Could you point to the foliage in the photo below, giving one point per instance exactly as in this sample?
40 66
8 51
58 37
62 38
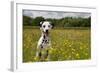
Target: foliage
67 44
37 20
63 22
27 21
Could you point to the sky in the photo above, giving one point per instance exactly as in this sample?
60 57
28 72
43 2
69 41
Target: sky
54 14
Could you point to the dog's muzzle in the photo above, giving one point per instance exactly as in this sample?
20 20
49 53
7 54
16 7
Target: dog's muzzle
46 32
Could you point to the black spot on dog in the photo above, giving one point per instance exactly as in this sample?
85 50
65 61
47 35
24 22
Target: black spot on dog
42 41
40 54
44 36
41 46
45 41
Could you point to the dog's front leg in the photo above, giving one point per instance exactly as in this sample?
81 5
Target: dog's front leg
38 53
47 56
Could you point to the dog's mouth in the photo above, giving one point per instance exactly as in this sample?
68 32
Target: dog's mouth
46 32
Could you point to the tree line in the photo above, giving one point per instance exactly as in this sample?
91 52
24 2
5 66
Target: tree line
63 22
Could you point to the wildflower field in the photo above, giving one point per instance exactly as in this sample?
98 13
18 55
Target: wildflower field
67 44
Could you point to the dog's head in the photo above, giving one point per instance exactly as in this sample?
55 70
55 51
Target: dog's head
45 26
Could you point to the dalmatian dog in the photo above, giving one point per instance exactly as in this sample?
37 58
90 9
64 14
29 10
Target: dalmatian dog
44 43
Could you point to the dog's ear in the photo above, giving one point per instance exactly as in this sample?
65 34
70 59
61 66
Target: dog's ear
52 25
40 24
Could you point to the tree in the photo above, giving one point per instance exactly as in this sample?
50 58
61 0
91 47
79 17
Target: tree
62 22
27 21
36 21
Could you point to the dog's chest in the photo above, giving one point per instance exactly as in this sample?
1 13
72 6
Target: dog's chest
45 42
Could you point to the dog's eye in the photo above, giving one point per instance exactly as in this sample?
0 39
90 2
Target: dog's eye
48 25
43 26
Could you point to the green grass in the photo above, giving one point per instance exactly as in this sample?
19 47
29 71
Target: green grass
67 44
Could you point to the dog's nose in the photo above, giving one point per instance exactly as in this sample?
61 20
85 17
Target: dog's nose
46 30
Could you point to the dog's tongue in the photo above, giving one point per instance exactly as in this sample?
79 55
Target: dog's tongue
46 33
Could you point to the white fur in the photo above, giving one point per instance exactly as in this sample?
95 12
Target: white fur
41 43
46 24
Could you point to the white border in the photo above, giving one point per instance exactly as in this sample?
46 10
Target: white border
17 38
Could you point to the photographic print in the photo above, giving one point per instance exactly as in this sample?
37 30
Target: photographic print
56 36
52 36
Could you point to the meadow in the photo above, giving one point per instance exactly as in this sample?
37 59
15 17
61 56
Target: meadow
67 44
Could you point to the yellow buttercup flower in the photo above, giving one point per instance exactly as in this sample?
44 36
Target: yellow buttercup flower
35 58
77 54
73 49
